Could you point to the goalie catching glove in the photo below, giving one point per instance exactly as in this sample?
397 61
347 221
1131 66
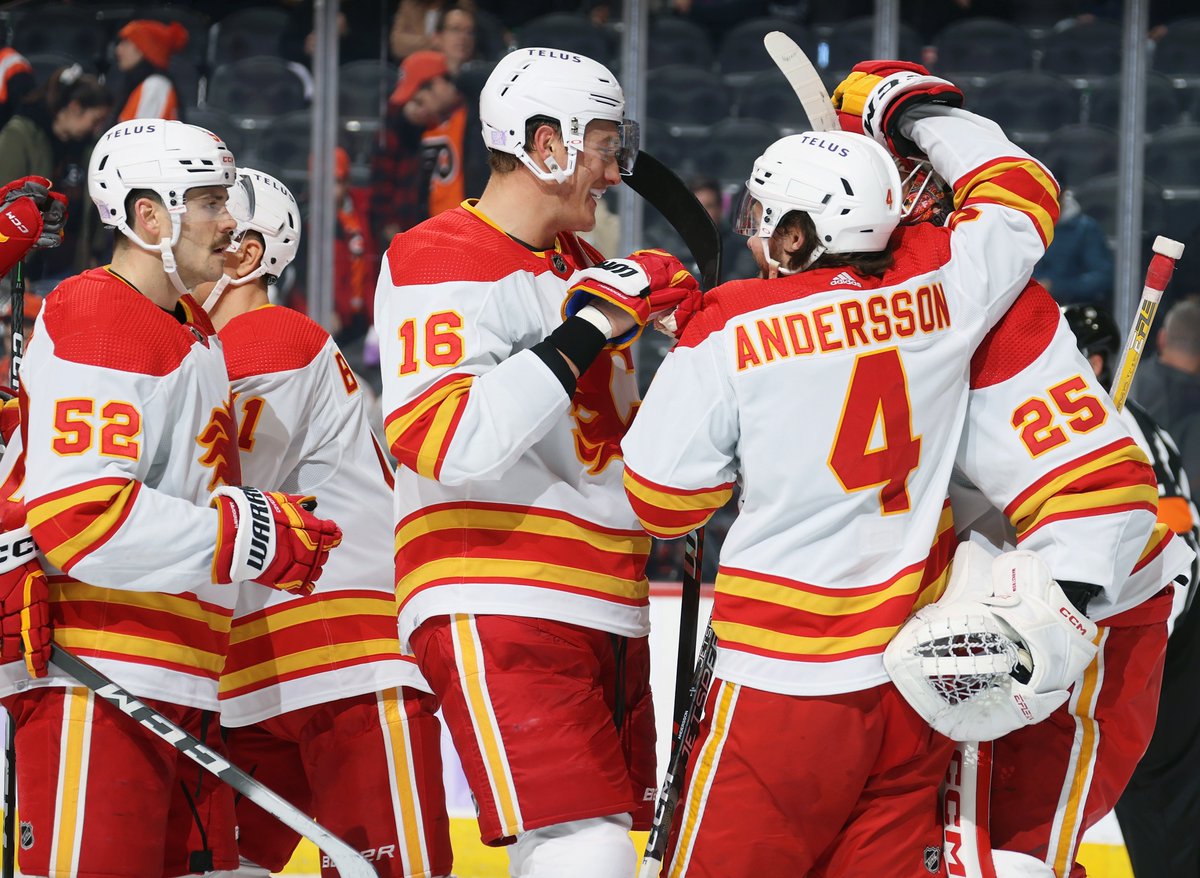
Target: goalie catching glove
996 652
649 285
271 538
875 96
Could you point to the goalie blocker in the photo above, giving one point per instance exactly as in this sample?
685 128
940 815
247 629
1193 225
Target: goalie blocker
999 650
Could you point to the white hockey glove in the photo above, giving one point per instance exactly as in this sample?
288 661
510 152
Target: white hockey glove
996 652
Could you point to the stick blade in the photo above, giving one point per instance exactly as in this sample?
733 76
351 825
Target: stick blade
671 197
804 80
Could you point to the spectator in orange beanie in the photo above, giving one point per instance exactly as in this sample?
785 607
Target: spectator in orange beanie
143 53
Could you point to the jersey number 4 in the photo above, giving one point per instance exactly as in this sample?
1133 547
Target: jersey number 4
875 446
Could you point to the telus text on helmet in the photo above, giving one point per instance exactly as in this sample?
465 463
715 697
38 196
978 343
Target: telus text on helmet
130 129
552 53
821 143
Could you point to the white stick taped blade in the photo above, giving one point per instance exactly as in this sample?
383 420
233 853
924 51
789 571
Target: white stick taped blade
802 76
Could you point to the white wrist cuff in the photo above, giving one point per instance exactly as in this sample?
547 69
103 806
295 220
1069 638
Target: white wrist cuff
595 316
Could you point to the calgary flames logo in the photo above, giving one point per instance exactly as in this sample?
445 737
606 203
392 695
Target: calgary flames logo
599 425
220 450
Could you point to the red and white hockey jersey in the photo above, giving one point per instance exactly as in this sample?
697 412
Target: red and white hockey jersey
837 401
126 430
1045 445
508 495
303 429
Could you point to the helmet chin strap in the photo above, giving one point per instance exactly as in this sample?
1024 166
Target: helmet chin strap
226 281
170 267
774 266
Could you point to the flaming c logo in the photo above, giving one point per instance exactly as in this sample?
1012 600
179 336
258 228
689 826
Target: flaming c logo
599 424
220 448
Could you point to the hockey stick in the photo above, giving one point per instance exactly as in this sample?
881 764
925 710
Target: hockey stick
8 865
804 80
665 192
1158 275
348 862
681 749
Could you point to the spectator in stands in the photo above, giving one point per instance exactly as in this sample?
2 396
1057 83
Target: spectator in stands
454 36
355 256
144 51
413 26
51 135
736 264
16 82
1078 267
431 159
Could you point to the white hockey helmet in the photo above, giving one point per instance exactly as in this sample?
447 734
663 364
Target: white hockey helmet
262 204
846 182
165 157
571 89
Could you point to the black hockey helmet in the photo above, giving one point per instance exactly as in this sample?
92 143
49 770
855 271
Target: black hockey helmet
1095 333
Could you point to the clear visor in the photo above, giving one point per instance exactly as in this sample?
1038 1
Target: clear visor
622 147
241 208
749 216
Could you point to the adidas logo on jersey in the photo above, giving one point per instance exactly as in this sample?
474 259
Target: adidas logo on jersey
846 279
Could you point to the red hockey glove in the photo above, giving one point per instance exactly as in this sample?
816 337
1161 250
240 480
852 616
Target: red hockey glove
874 97
646 284
52 206
24 603
271 538
673 323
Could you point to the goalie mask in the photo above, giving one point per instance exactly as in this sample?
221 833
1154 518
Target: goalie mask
927 197
260 203
165 157
847 183
571 89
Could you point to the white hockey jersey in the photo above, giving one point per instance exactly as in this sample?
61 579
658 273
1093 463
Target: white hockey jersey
1045 445
303 429
508 495
126 430
837 400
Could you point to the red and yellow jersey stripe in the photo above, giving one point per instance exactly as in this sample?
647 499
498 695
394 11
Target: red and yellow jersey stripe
672 512
782 618
1019 183
420 431
309 636
1113 479
464 542
72 523
177 632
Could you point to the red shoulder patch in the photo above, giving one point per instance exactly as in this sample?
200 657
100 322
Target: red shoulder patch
1018 339
98 319
272 339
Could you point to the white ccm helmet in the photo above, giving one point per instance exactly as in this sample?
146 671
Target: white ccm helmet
571 89
846 182
262 204
166 157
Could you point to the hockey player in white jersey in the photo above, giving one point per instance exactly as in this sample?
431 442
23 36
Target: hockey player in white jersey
130 484
519 563
835 390
317 700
